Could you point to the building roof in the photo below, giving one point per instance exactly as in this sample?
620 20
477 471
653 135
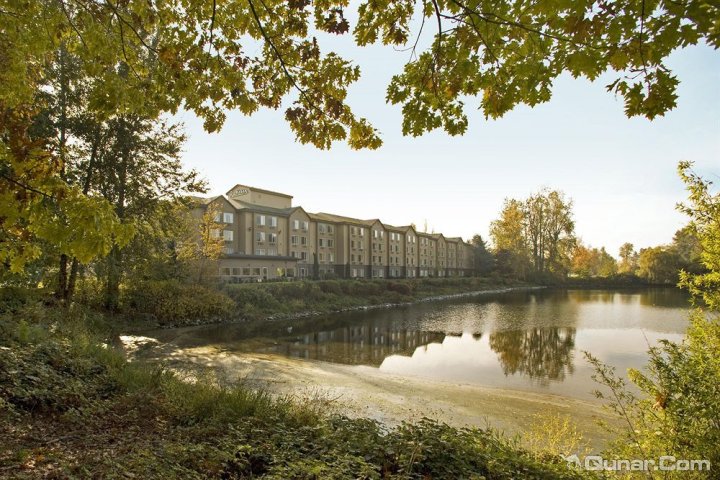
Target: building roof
329 217
260 190
203 200
253 207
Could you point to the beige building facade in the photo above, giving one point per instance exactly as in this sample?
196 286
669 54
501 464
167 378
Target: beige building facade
265 237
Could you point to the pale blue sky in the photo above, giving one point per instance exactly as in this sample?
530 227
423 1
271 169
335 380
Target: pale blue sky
620 172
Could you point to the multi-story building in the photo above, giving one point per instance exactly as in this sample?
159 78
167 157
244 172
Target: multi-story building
265 237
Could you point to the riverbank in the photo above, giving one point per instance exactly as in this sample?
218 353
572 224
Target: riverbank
73 406
360 391
166 305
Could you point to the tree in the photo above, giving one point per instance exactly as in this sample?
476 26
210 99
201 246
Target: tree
704 212
203 246
246 55
484 262
678 410
628 259
686 246
535 234
549 229
509 242
585 261
659 265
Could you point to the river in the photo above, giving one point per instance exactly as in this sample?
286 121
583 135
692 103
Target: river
492 359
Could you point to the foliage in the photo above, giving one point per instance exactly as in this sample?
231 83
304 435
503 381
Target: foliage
678 409
484 262
509 241
64 390
659 265
553 435
171 302
534 236
704 211
133 59
203 252
593 262
628 258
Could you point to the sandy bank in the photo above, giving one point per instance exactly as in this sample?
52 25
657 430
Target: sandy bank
368 392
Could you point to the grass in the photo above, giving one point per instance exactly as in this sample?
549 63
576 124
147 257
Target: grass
71 406
171 303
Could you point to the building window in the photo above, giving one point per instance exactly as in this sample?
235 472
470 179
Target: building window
321 242
362 232
305 225
228 235
303 255
215 233
260 220
272 221
260 236
296 224
303 240
259 251
272 251
330 242
321 227
272 238
320 257
330 229
228 217
294 240
331 257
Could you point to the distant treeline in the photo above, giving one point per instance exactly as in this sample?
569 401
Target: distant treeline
534 239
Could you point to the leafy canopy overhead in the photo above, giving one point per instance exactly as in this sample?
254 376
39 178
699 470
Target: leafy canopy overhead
145 58
210 57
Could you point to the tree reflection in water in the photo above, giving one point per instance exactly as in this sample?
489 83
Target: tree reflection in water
543 354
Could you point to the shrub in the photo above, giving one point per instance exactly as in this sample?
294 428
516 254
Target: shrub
331 286
13 298
401 288
171 302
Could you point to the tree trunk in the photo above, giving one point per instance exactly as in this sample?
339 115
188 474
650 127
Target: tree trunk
112 286
61 292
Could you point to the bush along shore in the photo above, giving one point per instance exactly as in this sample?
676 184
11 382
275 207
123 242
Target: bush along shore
172 304
71 406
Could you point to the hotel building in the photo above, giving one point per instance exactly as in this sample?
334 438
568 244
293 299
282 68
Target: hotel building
265 237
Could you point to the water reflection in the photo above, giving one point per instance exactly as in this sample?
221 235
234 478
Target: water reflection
364 344
540 353
526 340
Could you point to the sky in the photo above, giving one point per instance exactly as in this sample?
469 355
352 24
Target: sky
619 172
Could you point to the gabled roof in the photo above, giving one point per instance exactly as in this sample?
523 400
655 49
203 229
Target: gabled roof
374 221
329 217
407 227
203 200
260 208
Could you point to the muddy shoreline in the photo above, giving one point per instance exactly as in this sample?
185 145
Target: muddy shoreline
364 391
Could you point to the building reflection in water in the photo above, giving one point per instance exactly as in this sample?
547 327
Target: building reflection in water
543 354
356 345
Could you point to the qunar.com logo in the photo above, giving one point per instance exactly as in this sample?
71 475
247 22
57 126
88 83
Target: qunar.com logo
666 463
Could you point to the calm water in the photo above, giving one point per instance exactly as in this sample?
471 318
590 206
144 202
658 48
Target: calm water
529 341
